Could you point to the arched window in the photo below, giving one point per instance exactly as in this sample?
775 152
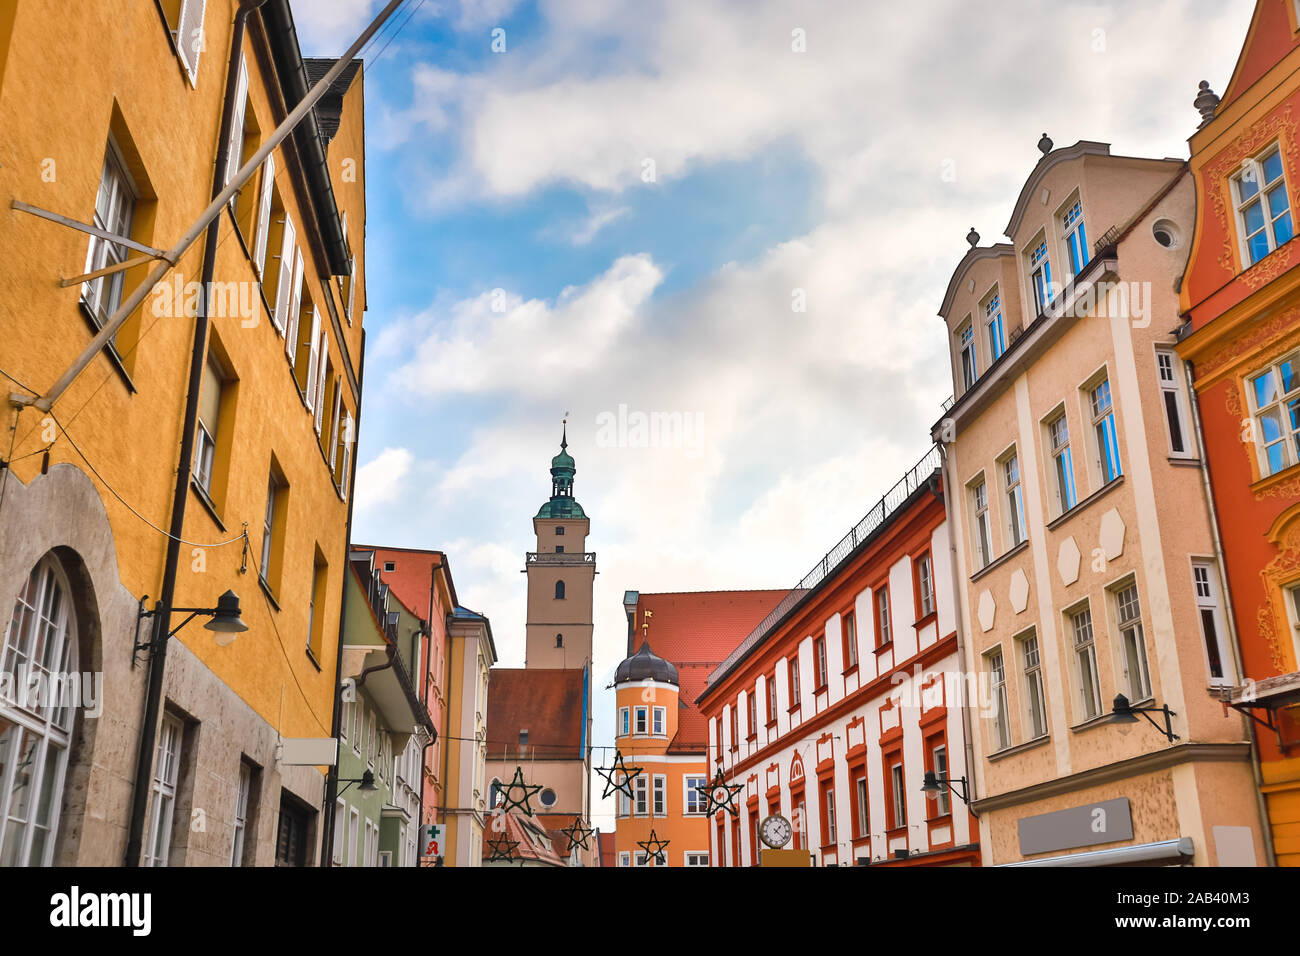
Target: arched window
494 794
36 715
559 640
559 590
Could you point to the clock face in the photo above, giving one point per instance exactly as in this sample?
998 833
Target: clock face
775 831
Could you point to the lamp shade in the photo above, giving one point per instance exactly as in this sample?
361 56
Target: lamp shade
1122 711
226 622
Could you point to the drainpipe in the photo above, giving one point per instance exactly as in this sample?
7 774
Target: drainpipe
336 722
967 743
1270 855
180 494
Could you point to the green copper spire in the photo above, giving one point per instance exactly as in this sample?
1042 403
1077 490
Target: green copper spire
563 468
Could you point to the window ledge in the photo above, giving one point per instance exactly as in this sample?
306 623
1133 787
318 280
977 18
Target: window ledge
819 689
1090 723
1019 748
1080 505
266 589
109 350
1001 559
940 819
312 657
881 648
1277 478
925 619
851 670
1183 461
791 710
207 503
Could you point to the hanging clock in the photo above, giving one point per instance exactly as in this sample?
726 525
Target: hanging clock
775 831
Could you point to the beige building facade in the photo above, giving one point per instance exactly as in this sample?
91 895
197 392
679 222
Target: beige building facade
1087 570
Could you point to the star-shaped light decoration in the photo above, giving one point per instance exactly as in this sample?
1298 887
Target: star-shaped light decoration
659 845
518 783
611 774
578 833
503 849
720 796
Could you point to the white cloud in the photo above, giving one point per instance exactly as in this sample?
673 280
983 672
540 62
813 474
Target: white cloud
381 480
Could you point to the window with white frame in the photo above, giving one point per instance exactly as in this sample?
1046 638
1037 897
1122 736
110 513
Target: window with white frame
624 721
115 204
998 690
1106 440
925 585
994 326
1040 276
358 716
1175 405
1015 498
1128 613
659 716
849 625
864 820
1292 596
268 528
262 229
35 729
771 697
829 799
167 766
187 33
660 795
288 288
624 801
642 858
966 347
1214 631
693 799
205 439
1275 404
898 795
697 858
245 785
625 858
642 720
355 857
939 763
1032 672
1085 662
338 850
819 658
372 741
884 627
235 148
1263 205
980 515
640 796
1062 466
1075 237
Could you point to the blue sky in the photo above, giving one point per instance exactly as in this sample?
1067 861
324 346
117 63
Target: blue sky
522 262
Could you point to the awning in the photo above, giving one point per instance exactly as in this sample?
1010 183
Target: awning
1165 853
1278 698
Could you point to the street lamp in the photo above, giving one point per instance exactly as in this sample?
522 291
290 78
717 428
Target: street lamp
225 623
1124 713
367 781
931 784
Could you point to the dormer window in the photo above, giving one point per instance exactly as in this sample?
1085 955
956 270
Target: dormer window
1040 276
1263 206
993 323
1075 236
966 343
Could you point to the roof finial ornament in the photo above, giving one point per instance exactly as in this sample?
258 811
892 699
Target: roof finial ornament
564 433
973 237
1045 144
1206 101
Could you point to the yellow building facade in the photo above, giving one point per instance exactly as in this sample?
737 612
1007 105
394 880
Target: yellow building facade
128 117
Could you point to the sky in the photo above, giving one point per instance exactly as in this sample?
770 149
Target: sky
738 217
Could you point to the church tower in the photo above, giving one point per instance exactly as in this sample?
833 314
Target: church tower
561 576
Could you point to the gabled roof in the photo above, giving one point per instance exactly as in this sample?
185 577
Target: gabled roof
412 576
536 844
1270 38
545 702
1065 154
695 631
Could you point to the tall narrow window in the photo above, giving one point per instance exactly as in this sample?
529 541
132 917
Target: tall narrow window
925 586
830 814
35 729
969 367
114 212
288 285
263 229
793 665
559 590
640 799
898 795
819 647
316 608
658 717
1103 423
1035 702
939 763
642 718
771 697
235 148
1275 398
860 793
993 323
998 689
1173 399
1015 499
167 764
1085 657
205 440
243 787
1133 643
734 714
1076 237
1058 433
268 530
1205 578
850 630
983 546
1040 277
884 634
1263 207
187 32
660 795
751 713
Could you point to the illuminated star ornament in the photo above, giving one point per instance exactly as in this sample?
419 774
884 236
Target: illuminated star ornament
503 849
611 775
521 803
720 796
578 833
659 846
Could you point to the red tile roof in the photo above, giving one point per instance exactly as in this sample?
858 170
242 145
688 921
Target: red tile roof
545 702
696 630
412 576
532 838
